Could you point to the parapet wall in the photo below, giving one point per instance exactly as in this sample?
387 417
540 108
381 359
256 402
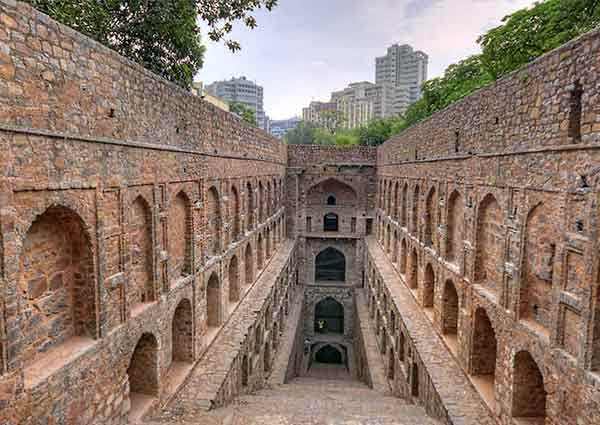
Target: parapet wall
59 80
532 108
489 212
304 155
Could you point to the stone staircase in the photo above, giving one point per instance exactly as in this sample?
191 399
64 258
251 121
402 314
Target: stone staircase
315 401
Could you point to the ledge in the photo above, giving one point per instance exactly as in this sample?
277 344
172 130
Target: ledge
461 400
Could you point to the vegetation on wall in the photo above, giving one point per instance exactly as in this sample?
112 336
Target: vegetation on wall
244 112
522 37
161 35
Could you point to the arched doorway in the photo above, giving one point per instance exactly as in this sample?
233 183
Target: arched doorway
249 206
483 355
430 218
56 283
329 355
330 222
259 253
182 336
429 287
143 376
141 289
249 267
179 235
234 284
450 309
454 227
213 301
490 245
235 212
214 221
529 392
413 281
329 316
330 265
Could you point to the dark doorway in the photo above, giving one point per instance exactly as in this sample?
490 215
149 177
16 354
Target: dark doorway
331 200
329 355
330 222
330 265
329 317
369 229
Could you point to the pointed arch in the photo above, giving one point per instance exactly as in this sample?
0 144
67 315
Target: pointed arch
413 281
429 287
261 202
179 235
330 265
415 211
396 200
449 309
143 374
234 280
249 265
455 226
259 252
215 224
319 194
182 333
484 347
529 392
430 218
56 283
403 257
490 246
213 301
249 207
539 250
404 212
329 316
141 288
235 213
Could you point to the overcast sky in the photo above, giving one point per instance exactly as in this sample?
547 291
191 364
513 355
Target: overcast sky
305 49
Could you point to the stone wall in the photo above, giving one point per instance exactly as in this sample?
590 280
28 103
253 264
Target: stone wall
125 204
489 212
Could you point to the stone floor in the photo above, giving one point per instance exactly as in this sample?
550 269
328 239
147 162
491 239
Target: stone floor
315 401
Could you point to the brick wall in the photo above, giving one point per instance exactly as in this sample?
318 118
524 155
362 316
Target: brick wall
498 194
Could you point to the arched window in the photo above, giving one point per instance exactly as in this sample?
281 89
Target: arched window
329 354
329 316
330 222
331 200
330 265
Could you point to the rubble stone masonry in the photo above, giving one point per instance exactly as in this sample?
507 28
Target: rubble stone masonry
489 212
151 245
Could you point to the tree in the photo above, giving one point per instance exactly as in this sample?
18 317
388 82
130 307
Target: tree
303 134
244 112
529 33
161 35
523 36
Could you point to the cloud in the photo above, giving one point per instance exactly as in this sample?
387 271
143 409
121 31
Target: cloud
305 49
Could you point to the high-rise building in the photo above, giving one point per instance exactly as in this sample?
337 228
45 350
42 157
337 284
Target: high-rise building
243 91
279 128
404 68
320 113
364 101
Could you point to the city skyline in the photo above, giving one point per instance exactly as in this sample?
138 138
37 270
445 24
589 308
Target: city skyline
297 64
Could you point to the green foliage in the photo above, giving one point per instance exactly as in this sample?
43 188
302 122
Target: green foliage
523 36
378 131
529 33
161 35
303 134
243 112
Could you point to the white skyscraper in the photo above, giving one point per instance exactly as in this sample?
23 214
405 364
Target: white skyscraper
404 68
243 91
